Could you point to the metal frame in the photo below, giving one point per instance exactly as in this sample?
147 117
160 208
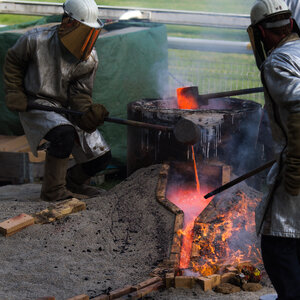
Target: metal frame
178 17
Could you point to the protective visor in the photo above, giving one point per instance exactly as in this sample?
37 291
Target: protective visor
256 44
78 38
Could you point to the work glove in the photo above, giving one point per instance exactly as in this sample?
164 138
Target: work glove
93 117
292 171
16 101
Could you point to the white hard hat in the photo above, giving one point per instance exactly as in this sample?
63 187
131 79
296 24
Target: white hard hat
84 11
263 9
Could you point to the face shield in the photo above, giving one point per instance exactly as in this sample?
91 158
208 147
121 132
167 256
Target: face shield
77 37
257 45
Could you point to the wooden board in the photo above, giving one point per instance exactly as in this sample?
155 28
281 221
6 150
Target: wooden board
16 224
59 210
20 144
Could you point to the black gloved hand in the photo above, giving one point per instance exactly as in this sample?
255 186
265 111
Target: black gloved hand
93 117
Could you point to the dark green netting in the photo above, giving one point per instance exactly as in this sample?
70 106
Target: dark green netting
133 62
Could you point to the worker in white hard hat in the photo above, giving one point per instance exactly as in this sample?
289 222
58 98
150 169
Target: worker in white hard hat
274 36
56 66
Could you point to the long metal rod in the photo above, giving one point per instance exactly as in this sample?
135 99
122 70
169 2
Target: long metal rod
231 93
239 179
62 110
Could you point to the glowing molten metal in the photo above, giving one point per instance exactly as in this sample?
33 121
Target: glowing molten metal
192 203
186 99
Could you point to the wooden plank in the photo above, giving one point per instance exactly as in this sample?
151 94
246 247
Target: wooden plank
205 283
227 277
80 297
20 144
186 282
169 280
215 279
15 224
178 225
216 173
12 145
145 291
226 172
120 292
59 210
6 138
146 283
102 297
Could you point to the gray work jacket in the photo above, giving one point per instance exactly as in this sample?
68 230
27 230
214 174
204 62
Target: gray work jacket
279 212
52 76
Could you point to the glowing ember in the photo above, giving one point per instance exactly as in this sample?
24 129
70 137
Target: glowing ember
186 100
192 204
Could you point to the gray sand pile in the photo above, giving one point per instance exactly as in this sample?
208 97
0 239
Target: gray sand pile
117 241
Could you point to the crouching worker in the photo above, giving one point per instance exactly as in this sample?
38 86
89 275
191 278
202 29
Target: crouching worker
56 66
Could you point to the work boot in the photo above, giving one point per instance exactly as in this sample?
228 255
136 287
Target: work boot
268 297
77 182
54 181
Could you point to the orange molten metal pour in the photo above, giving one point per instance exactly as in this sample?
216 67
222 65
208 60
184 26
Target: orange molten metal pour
188 199
192 202
195 169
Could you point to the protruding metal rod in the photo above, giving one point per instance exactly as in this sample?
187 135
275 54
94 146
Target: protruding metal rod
107 119
231 93
239 179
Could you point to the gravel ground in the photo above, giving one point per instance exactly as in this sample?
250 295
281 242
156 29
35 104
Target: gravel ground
117 241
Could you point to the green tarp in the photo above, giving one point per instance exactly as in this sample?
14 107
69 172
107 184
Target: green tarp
133 62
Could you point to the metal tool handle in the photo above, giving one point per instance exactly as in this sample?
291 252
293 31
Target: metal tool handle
63 110
231 93
239 179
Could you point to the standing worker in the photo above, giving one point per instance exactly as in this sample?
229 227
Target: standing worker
275 41
56 66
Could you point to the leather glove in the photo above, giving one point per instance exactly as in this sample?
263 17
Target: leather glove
93 117
292 171
16 101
